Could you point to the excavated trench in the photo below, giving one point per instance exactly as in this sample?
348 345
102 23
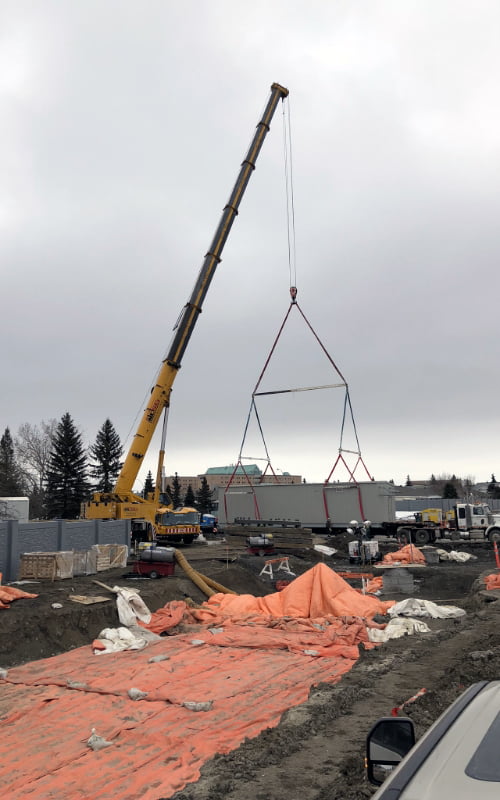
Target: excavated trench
316 752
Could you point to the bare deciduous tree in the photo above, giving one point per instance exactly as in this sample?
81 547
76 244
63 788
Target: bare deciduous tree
33 444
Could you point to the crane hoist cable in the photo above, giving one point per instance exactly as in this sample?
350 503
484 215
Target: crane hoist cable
347 411
292 270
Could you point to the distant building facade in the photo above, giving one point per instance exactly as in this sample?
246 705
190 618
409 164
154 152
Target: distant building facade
219 477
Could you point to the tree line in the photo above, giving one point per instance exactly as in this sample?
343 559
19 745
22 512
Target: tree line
50 464
451 487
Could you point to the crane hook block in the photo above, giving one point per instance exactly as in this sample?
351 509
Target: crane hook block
293 293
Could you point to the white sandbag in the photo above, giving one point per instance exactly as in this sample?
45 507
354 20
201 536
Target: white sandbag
136 694
114 640
324 550
413 607
397 628
455 555
131 607
195 706
96 742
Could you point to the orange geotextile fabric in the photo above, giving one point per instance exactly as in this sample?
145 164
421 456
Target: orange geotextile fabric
158 745
409 554
373 585
10 593
318 593
492 581
252 668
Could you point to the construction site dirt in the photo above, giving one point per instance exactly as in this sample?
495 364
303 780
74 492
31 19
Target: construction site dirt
317 750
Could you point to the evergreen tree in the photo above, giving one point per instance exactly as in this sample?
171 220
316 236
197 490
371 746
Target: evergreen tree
149 486
493 489
204 497
37 503
408 481
106 453
189 499
449 490
67 486
12 483
176 491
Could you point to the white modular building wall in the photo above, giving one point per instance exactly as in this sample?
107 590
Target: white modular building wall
310 504
17 508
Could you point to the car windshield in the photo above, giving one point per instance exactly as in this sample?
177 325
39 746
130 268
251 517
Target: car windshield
485 764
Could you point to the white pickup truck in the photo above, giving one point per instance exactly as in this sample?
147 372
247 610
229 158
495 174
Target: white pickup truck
457 758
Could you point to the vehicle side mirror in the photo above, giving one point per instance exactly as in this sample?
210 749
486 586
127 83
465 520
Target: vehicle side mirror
390 739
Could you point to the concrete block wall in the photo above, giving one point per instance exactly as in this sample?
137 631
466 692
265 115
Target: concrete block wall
398 581
53 535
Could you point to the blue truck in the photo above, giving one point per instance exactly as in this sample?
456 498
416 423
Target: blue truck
208 524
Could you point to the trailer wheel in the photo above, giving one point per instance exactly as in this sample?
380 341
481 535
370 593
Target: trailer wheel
404 534
421 536
494 535
153 574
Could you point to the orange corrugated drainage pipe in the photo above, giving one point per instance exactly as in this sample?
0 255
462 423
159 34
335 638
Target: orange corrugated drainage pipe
207 585
217 586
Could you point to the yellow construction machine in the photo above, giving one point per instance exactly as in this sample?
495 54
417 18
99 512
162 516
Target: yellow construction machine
153 517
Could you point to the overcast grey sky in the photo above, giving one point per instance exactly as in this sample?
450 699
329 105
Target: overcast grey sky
123 127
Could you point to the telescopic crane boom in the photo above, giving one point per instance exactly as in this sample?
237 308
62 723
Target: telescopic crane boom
122 503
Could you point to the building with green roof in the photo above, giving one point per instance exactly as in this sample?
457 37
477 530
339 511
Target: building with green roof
219 477
250 469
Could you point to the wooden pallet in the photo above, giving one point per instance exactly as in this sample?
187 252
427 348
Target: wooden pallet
38 566
283 538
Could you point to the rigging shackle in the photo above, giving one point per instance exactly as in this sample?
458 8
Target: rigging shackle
293 293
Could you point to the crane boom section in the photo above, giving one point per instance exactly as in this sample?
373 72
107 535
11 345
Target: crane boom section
160 394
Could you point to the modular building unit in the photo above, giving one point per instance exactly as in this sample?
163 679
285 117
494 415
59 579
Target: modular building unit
310 504
17 508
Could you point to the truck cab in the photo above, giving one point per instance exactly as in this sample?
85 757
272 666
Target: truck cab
208 523
476 521
179 525
469 515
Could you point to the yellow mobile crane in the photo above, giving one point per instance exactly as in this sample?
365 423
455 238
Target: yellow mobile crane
155 515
